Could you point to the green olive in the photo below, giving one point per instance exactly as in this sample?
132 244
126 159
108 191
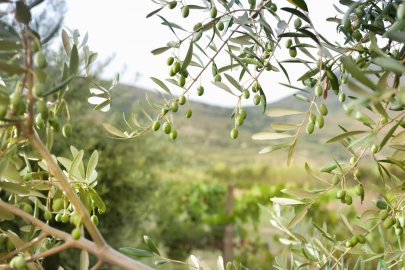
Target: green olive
297 23
15 99
293 52
310 128
164 111
388 223
38 90
357 24
200 91
273 7
239 120
383 214
246 94
323 110
361 238
218 78
220 26
185 11
189 113
18 263
374 149
256 100
171 72
256 87
42 109
175 106
288 43
360 190
357 174
3 111
360 12
156 126
318 90
335 179
319 122
349 200
348 24
383 119
341 194
269 67
234 133
173 134
9 244
170 61
243 113
399 231
94 219
213 12
39 60
34 46
353 160
197 26
176 67
57 204
182 100
312 118
167 128
57 127
354 240
358 37
342 97
172 5
58 218
349 244
65 218
27 177
39 122
67 130
28 208
21 108
181 81
48 215
76 234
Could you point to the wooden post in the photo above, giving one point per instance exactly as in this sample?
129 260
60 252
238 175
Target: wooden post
228 239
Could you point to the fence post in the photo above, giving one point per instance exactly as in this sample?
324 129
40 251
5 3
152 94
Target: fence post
228 239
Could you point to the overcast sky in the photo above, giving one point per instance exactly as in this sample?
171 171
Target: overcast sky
121 28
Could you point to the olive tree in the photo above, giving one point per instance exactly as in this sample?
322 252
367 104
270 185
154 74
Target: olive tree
30 106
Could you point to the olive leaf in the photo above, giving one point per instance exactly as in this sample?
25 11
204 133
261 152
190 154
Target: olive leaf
311 173
297 218
133 252
282 112
272 148
270 136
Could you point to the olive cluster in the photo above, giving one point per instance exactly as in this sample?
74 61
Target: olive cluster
391 221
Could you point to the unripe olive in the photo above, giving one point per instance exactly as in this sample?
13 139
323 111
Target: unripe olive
175 106
57 127
200 91
9 244
310 128
27 177
252 2
341 194
67 130
65 218
256 87
18 263
58 218
269 67
172 5
349 200
220 26
312 118
401 97
3 111
319 122
399 231
345 79
156 126
354 240
218 78
349 244
197 26
176 67
42 109
243 113
170 61
288 43
164 111
297 23
39 60
171 72
374 149
38 89
167 128
185 11
361 238
401 12
357 174
76 234
323 110
28 208
39 122
335 179
57 204
318 90
397 223
256 100
213 12
358 38
48 215
293 52
182 100
182 81
402 222
347 24
239 120
383 119
360 12
342 97
94 219
189 113
234 133
34 46
360 190
388 223
383 214
21 108
357 24
246 94
353 160
273 7
173 134
15 99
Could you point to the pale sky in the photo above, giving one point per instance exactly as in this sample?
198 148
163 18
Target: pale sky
121 28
